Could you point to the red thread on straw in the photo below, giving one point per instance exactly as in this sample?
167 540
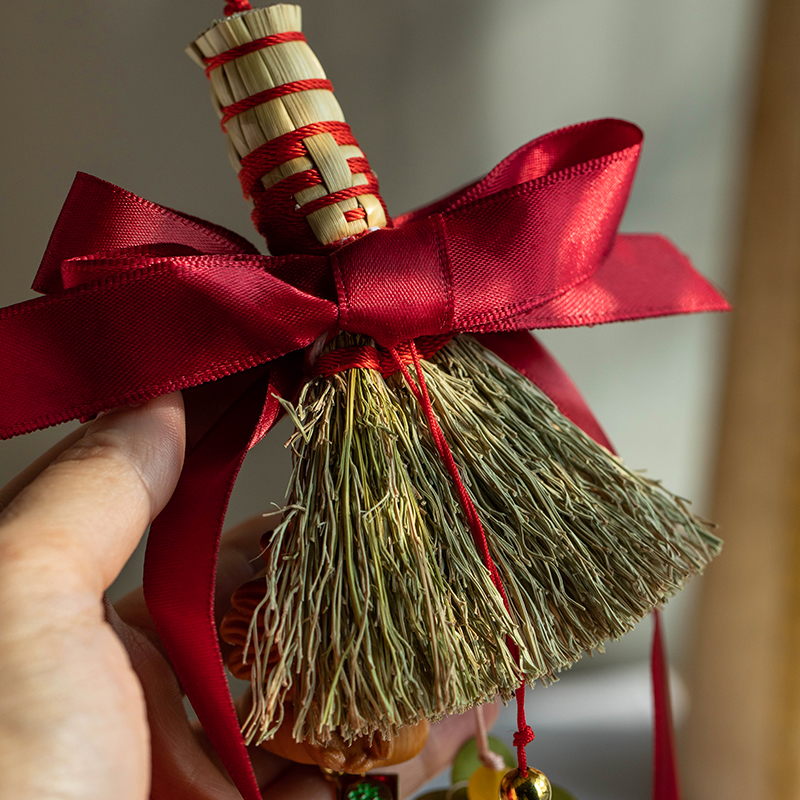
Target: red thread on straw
285 147
276 213
251 47
229 112
383 361
524 734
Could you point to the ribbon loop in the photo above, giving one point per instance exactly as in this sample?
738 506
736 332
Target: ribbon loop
98 217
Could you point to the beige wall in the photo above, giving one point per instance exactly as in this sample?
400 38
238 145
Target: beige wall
437 93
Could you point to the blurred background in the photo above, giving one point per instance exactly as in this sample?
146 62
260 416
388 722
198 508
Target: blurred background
437 93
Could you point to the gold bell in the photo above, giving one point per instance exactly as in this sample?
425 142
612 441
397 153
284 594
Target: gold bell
528 785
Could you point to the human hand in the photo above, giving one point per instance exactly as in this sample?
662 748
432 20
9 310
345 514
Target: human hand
90 707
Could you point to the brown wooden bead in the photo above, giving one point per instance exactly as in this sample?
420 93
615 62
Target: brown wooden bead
356 757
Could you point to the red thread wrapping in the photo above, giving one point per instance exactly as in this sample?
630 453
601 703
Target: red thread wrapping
276 213
251 47
370 187
298 181
229 112
379 359
286 147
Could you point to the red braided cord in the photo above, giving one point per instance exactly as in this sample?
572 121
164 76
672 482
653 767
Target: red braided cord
283 148
383 361
524 734
297 182
276 213
234 6
370 187
229 112
276 209
251 47
352 214
359 164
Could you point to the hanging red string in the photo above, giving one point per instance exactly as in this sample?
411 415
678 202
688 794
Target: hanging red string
666 785
365 357
234 6
524 734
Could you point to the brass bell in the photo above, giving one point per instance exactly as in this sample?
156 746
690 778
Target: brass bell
528 785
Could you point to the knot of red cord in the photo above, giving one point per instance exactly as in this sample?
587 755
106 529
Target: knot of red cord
234 6
523 737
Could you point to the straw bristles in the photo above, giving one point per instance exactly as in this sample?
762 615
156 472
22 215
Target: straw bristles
274 66
376 601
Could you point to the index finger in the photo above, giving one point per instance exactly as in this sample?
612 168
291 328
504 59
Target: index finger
74 526
17 484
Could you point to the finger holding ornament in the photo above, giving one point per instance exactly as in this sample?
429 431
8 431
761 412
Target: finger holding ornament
32 471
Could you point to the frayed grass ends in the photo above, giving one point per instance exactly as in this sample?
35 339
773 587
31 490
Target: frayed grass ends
378 610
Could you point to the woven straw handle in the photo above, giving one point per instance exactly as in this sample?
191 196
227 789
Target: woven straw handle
266 83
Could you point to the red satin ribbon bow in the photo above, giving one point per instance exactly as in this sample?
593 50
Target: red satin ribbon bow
141 300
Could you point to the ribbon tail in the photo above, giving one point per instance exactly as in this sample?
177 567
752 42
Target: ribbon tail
525 354
666 785
182 549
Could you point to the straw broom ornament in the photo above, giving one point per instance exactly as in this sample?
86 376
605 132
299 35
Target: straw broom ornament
376 610
456 525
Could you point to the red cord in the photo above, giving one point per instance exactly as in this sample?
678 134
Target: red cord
387 363
276 213
352 214
234 6
283 148
379 359
229 112
251 47
524 734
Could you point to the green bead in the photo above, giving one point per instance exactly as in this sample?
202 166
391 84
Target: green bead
528 785
364 791
561 794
